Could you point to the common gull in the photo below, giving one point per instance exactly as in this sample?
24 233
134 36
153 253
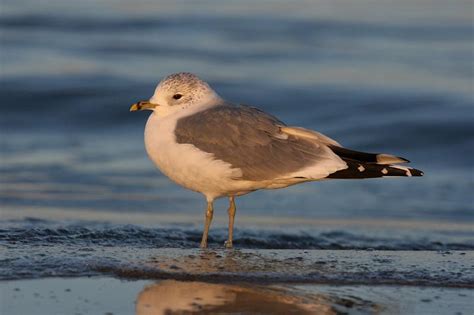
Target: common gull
211 146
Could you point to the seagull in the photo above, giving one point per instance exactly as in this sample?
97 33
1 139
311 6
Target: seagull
209 145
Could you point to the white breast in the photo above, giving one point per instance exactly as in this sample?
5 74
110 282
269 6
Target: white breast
184 163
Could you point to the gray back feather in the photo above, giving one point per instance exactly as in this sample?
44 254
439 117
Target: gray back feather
248 139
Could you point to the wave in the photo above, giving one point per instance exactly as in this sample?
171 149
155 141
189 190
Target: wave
45 233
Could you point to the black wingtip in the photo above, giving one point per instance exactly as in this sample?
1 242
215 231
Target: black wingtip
415 172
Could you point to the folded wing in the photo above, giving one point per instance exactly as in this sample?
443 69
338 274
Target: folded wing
259 144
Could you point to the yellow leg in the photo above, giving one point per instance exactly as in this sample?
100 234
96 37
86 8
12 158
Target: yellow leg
209 213
231 212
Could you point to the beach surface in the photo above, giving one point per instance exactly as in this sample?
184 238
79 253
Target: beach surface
107 266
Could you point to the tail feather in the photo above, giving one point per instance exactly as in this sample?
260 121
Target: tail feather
371 165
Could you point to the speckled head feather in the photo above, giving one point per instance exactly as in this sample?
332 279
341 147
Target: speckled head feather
183 89
182 78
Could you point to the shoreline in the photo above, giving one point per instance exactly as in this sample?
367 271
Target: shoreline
335 267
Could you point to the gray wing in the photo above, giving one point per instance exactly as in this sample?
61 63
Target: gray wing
252 141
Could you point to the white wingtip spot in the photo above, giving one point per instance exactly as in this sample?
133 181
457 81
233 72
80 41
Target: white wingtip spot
384 171
361 168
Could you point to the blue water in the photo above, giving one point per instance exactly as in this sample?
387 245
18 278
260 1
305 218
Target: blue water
392 77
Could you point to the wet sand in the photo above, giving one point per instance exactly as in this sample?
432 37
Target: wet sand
419 268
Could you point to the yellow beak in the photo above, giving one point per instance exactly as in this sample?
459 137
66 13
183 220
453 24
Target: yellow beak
142 105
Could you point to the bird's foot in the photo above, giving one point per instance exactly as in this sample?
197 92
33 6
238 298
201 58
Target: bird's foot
203 244
228 244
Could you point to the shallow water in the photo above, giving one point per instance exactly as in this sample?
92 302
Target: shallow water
112 296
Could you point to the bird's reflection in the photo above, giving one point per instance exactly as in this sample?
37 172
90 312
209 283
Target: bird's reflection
177 297
195 295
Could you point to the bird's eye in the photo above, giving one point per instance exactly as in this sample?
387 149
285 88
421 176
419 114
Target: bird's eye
177 96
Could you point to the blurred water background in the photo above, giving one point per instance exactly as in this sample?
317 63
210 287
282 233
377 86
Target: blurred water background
380 76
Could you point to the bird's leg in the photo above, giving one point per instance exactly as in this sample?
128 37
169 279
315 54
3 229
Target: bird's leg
209 213
231 212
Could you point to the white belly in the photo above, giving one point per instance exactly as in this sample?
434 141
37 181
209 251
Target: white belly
186 165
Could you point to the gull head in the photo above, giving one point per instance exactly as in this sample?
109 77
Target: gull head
176 92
